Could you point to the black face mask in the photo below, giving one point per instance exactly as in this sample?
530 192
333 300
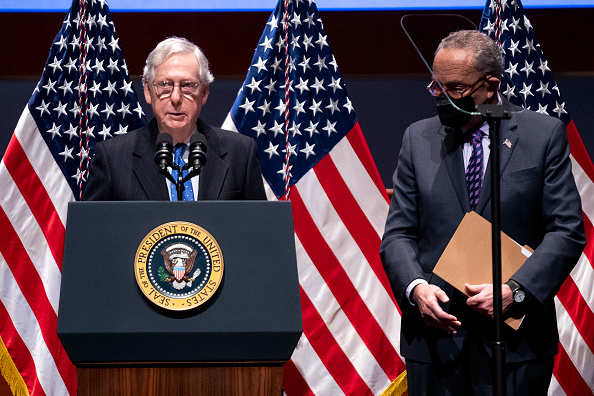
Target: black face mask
452 117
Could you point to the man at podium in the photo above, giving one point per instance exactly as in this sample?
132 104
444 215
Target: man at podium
176 81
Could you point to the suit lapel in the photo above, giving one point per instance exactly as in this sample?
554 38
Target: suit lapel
508 138
212 175
454 160
152 182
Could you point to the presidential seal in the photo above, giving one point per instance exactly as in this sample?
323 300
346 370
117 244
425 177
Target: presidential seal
178 266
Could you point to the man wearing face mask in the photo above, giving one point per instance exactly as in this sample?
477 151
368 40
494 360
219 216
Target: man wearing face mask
443 173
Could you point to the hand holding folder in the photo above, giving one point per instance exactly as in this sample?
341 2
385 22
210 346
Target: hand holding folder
468 257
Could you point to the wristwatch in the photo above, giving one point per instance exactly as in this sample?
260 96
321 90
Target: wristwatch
518 293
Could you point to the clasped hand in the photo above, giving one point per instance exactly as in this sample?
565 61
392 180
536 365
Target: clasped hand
481 298
427 298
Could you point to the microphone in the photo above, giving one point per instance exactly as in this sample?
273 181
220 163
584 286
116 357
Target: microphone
197 153
164 155
164 151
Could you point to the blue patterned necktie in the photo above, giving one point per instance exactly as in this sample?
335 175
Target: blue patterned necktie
179 160
474 171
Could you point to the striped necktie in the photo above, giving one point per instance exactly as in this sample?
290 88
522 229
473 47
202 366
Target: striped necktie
474 171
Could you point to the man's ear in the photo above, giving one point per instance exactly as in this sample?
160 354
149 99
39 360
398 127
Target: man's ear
493 86
493 83
147 93
205 94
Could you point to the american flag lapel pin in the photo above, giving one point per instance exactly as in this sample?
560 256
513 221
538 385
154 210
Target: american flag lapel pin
507 143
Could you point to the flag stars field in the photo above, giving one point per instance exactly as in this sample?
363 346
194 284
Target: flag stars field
312 88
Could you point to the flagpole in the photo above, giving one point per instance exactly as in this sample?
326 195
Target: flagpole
493 114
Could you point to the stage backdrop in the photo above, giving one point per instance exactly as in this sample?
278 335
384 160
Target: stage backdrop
385 105
384 77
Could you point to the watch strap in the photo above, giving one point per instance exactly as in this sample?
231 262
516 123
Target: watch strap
518 294
512 285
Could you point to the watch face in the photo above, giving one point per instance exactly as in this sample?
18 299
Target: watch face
519 296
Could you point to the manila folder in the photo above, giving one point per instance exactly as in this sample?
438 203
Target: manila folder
468 259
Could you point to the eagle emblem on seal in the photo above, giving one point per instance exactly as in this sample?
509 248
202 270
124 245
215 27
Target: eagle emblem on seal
179 263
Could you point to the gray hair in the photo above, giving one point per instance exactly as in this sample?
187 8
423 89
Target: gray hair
487 55
170 46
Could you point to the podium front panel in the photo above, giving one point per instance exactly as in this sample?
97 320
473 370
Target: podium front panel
255 314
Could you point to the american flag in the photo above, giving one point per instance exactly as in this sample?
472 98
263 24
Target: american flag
294 103
529 82
84 95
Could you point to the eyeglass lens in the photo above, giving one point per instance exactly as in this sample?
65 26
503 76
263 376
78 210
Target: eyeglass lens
436 90
165 88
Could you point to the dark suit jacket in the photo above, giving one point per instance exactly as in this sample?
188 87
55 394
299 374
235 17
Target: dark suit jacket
124 169
540 207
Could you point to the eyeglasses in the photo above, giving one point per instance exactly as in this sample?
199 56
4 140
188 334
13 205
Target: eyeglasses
165 88
436 90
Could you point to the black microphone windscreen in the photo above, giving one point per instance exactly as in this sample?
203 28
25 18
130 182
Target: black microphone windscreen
164 150
164 137
197 154
197 138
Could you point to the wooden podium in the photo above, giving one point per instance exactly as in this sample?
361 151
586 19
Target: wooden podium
246 379
235 344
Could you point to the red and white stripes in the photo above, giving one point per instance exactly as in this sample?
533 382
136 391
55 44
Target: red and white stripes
351 323
574 365
33 209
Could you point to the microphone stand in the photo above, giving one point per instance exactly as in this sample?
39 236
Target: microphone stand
164 159
493 114
179 183
197 159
